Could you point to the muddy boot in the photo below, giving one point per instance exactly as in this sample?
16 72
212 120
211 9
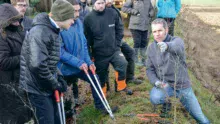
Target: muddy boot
126 90
137 62
70 113
165 110
135 81
136 50
114 109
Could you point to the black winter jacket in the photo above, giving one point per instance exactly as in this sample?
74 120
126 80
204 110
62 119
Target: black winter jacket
104 32
39 57
11 106
10 49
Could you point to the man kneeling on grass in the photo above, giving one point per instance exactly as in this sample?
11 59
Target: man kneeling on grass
167 71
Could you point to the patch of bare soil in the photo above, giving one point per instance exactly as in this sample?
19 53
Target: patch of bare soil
200 28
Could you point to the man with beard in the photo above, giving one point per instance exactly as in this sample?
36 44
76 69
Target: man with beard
40 54
127 51
84 9
21 6
104 32
12 99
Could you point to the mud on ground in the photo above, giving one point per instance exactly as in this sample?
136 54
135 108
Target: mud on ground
200 27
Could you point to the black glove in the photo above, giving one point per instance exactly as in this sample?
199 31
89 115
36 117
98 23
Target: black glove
61 85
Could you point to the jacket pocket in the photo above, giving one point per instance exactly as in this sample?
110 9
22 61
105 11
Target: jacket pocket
135 20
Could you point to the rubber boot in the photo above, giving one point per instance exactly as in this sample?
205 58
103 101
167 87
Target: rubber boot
135 81
121 86
137 62
143 56
130 70
136 54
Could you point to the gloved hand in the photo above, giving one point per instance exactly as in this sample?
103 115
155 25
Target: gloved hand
135 12
161 84
61 85
163 46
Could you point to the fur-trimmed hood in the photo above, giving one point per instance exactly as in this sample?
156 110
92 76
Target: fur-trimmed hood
8 14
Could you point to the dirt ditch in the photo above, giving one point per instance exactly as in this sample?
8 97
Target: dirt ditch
200 27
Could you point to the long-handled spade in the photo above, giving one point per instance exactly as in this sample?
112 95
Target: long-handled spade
103 99
57 96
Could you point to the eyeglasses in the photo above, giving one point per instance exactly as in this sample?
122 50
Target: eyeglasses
22 5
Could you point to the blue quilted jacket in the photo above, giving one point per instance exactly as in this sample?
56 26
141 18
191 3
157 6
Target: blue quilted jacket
74 51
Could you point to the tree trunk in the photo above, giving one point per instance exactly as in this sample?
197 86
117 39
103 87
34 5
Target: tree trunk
44 5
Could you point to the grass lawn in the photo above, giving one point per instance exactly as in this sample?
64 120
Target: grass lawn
139 103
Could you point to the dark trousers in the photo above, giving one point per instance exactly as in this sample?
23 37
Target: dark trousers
45 108
72 80
118 62
129 54
140 38
171 24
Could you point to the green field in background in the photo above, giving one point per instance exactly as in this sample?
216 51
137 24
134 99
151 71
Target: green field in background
201 2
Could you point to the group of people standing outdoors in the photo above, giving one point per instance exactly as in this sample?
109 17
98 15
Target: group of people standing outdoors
53 51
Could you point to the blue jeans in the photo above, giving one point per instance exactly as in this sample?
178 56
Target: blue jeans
187 98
